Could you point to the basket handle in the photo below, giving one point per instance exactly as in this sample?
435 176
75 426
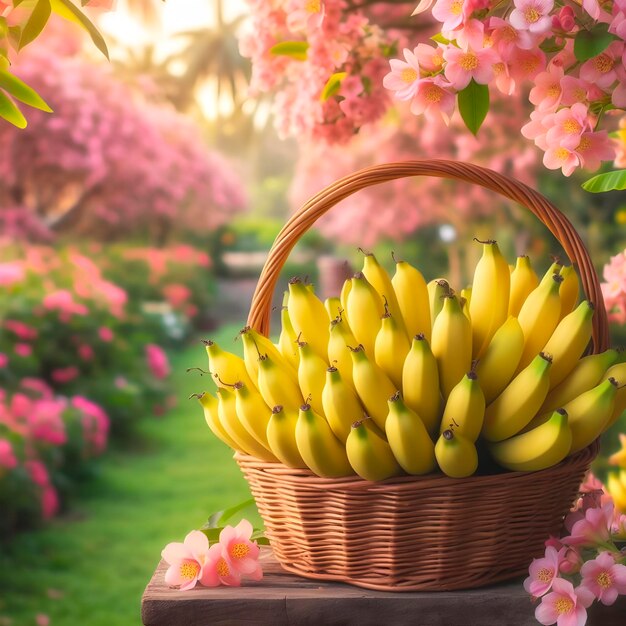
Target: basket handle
543 209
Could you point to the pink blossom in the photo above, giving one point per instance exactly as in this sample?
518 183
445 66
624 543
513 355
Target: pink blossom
568 125
564 605
8 460
23 349
561 158
305 14
64 375
48 496
95 424
404 76
464 65
601 70
595 147
4 360
241 552
543 572
188 561
434 99
604 578
219 569
20 330
450 12
526 64
85 352
157 361
45 421
503 79
592 7
506 39
532 15
546 94
429 58
594 528
574 90
105 334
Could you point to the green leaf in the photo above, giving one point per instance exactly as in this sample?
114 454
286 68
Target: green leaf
550 45
66 10
221 517
591 43
22 92
10 112
35 23
439 38
294 49
606 182
474 105
332 86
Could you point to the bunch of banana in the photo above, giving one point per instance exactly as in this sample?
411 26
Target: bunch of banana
397 376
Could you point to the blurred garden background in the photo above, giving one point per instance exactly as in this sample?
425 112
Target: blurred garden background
134 222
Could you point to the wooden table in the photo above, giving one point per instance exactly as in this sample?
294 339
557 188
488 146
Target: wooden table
282 599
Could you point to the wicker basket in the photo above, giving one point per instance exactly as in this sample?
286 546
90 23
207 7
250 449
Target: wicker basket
416 533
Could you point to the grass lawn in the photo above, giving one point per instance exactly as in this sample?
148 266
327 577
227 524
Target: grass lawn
90 568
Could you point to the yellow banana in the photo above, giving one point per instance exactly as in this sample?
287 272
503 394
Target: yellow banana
617 371
569 341
227 413
412 295
513 409
437 289
616 486
341 404
465 409
333 307
420 383
451 344
281 437
370 455
254 345
338 352
456 455
619 458
343 296
590 412
209 404
523 282
390 348
372 385
555 268
318 446
408 438
311 376
225 367
254 414
538 318
569 290
277 386
466 293
287 340
308 316
587 374
499 362
490 296
364 312
539 448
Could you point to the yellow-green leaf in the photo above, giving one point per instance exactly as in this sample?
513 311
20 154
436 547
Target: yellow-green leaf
294 49
10 112
606 182
22 92
332 86
35 23
474 105
68 11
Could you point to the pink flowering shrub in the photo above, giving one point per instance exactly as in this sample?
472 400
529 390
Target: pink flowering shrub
614 288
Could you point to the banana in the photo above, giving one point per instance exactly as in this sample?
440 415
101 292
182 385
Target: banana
466 293
523 282
412 295
281 437
370 455
587 374
437 289
616 486
343 296
333 307
209 404
340 403
618 371
465 409
590 412
254 345
408 438
555 268
338 352
490 296
513 409
619 458
378 277
226 367
308 316
499 362
538 318
311 376
569 341
287 340
229 420
277 386
456 455
569 290
372 385
539 448
253 413
465 307
364 311
420 383
390 348
318 447
451 344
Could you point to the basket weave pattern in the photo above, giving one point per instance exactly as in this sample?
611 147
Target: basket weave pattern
416 533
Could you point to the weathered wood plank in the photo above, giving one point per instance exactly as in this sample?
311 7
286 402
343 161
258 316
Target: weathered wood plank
282 599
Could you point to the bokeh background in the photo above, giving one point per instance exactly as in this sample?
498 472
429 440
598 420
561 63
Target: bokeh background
134 222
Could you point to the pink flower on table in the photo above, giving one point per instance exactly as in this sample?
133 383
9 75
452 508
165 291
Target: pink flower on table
219 569
601 70
105 334
64 374
544 571
594 528
604 578
547 92
568 125
242 553
4 360
188 561
464 65
23 349
404 76
564 605
532 15
434 99
8 459
157 361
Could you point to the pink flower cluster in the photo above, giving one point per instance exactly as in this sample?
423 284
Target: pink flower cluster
581 567
157 360
614 288
520 43
235 555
